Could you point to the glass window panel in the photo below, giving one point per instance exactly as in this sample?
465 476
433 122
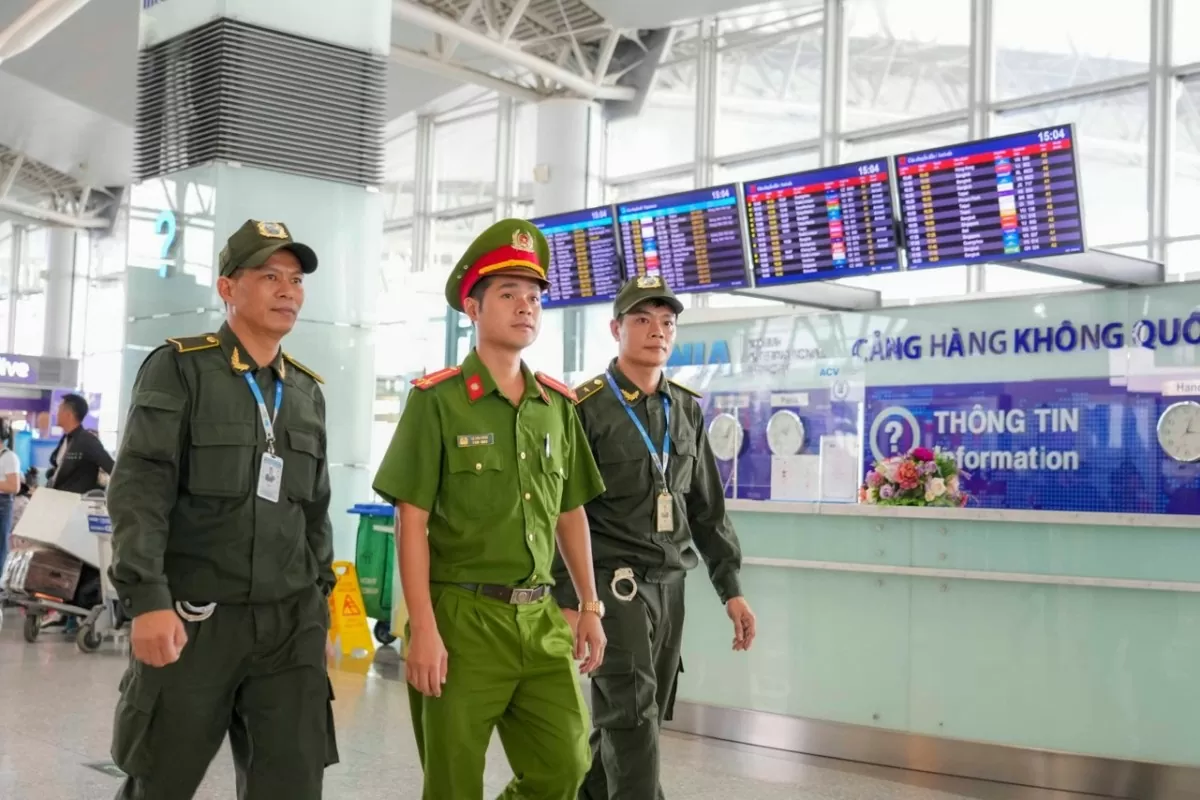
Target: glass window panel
1183 260
526 150
863 149
663 134
769 168
769 81
7 244
401 166
1001 279
465 161
918 285
1044 46
651 187
1185 163
31 293
907 59
1185 47
1113 153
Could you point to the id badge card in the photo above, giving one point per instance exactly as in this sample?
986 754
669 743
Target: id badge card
664 513
270 478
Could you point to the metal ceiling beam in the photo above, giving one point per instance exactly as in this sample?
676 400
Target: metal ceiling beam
32 26
49 216
514 18
421 61
509 51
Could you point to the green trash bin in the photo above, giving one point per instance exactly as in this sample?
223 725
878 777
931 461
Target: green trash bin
374 560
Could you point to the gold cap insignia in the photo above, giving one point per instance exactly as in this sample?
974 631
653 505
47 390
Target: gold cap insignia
522 241
649 282
272 230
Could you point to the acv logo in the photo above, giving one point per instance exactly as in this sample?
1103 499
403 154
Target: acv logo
829 372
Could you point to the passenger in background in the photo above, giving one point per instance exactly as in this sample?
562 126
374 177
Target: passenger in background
10 485
79 458
663 494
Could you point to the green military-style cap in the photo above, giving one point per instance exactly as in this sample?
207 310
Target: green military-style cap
643 288
253 243
510 247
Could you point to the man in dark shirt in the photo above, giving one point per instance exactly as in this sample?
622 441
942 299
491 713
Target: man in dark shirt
663 501
80 458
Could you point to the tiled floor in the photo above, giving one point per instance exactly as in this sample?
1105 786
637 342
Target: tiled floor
56 712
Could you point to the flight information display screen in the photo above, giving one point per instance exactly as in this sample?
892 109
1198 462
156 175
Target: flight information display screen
585 266
821 224
1008 197
692 239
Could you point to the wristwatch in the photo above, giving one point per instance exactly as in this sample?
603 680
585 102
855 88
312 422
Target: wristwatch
592 607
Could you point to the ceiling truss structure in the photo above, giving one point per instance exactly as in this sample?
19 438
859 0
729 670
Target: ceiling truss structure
529 49
33 193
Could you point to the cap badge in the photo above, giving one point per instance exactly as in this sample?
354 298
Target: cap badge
522 241
649 282
272 230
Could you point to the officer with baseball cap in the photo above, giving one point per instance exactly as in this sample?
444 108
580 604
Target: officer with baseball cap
664 501
222 545
488 469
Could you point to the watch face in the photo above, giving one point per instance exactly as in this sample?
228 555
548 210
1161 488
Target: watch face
725 435
1179 431
785 433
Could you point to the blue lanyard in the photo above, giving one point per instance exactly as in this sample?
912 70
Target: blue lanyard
268 422
659 461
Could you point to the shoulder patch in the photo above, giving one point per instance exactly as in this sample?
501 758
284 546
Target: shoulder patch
434 378
556 385
585 390
192 344
687 389
303 368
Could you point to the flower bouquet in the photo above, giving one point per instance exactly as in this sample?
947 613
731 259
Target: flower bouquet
921 477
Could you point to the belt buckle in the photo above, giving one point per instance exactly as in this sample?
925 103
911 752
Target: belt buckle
522 597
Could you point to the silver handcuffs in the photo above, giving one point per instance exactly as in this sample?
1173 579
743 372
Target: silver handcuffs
624 574
192 612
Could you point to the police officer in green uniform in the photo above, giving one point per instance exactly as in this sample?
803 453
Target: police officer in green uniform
487 468
663 496
222 545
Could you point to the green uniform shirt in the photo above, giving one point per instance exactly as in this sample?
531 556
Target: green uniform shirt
187 520
622 520
494 477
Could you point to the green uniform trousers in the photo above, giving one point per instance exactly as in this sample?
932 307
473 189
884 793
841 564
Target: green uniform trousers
254 672
511 668
633 692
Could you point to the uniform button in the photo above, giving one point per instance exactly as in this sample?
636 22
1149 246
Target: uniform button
522 456
527 495
478 467
531 539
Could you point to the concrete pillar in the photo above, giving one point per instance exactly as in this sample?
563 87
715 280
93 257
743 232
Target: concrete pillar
60 281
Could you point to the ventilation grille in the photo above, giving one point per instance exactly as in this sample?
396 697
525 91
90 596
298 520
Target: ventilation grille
228 91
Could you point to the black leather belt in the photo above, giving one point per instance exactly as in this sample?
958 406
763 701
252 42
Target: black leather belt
508 594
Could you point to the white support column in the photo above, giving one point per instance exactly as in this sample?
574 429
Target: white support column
833 81
1163 90
568 132
979 101
506 156
60 284
707 71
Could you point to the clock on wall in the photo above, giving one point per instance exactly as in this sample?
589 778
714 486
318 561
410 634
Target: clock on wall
785 433
725 436
1179 431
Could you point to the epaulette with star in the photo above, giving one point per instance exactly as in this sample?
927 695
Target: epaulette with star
194 344
585 390
556 385
303 368
687 389
434 378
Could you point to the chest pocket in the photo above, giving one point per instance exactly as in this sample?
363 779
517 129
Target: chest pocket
300 465
683 463
474 481
221 459
626 468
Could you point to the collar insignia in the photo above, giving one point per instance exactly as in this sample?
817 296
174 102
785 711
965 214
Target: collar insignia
631 396
522 241
236 361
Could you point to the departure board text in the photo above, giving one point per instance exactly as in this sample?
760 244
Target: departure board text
584 262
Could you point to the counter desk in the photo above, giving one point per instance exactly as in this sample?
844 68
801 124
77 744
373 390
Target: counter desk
1048 648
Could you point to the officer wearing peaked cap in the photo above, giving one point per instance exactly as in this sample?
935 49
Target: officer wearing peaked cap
488 468
664 501
222 546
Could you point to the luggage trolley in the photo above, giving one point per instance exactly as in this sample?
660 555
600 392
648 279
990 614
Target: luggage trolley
84 533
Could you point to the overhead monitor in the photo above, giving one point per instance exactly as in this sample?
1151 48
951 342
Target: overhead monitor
1008 197
585 266
821 224
692 239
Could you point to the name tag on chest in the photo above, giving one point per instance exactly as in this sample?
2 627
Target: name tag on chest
475 439
270 478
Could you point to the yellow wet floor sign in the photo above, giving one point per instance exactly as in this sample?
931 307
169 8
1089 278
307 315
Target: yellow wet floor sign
348 629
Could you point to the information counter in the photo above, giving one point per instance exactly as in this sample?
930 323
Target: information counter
1048 633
